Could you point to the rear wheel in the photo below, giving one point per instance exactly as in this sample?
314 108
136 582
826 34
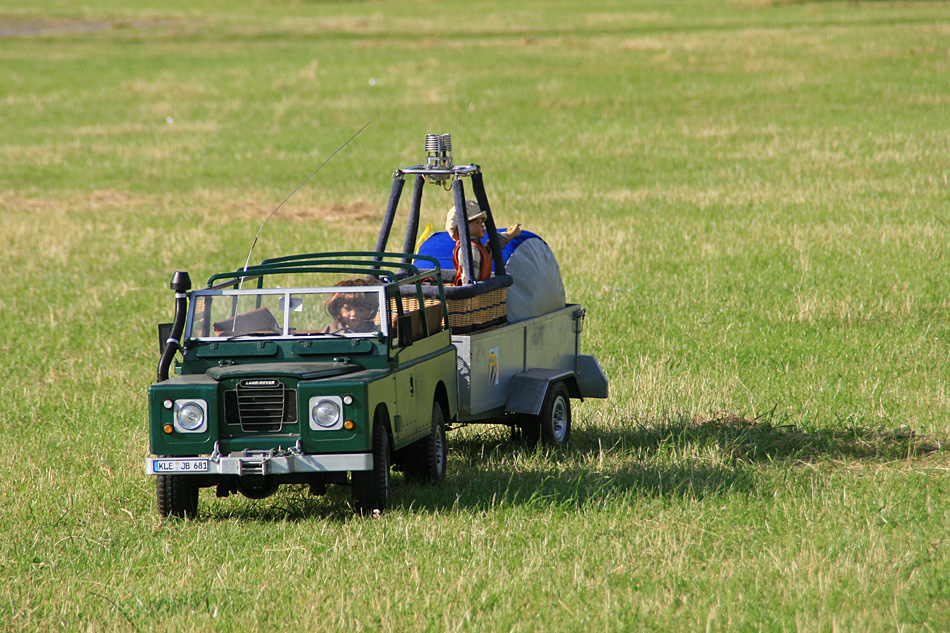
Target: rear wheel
426 461
371 488
555 415
177 496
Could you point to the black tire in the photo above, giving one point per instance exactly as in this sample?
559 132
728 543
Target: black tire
426 461
555 417
372 488
177 496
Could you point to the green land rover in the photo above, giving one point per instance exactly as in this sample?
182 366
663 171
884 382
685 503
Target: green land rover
272 388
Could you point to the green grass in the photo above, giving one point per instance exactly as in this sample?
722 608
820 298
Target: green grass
748 197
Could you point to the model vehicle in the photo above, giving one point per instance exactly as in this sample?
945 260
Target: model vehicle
275 386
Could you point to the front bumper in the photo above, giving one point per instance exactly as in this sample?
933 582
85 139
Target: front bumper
258 464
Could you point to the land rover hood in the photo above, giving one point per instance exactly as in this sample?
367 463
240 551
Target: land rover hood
301 371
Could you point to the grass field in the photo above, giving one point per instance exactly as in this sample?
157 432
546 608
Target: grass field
749 197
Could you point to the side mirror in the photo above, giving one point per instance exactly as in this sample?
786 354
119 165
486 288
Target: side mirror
164 332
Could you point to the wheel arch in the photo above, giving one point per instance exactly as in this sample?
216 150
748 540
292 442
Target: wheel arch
528 389
381 416
441 396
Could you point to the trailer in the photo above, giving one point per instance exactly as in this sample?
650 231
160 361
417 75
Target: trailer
518 341
524 375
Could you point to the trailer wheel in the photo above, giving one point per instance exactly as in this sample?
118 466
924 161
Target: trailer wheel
555 415
426 461
372 488
177 496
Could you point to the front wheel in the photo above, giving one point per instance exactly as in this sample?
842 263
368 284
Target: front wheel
427 458
177 496
372 488
555 416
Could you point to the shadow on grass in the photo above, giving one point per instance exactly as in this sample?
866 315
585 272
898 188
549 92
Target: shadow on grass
292 503
759 440
689 458
575 488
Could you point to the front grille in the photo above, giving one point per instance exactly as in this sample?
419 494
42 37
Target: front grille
261 405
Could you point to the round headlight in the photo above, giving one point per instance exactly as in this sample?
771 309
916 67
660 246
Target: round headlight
190 416
326 413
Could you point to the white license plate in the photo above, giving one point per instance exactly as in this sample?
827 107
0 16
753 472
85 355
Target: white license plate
162 466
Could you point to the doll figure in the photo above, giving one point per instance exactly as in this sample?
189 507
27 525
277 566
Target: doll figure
481 258
352 311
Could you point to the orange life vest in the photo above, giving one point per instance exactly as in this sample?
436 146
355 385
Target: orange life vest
484 271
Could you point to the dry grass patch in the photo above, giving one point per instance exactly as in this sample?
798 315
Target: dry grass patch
166 84
339 213
47 26
627 19
816 307
94 200
367 24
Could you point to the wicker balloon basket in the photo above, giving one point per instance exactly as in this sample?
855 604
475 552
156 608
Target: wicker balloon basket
467 315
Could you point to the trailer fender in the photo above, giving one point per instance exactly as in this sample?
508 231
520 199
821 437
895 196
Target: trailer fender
591 380
527 389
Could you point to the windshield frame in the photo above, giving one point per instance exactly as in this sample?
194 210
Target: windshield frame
285 294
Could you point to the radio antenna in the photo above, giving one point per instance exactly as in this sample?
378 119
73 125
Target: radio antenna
260 230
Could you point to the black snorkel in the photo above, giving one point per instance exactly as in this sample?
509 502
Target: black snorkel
181 284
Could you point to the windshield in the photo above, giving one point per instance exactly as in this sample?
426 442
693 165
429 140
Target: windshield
353 311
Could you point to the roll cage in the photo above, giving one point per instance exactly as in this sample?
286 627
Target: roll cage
401 278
